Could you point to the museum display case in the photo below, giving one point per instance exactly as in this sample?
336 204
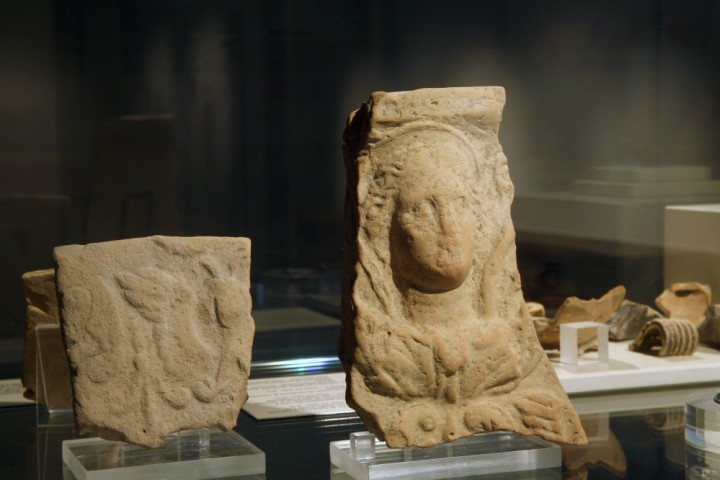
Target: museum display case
223 118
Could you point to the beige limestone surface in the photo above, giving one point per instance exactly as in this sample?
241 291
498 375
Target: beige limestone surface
158 332
437 341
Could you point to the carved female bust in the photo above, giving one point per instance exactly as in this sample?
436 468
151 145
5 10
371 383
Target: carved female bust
437 342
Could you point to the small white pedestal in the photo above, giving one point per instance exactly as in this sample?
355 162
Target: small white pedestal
569 352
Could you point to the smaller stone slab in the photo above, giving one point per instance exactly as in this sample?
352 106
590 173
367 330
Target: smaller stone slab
687 300
158 332
667 337
42 308
629 319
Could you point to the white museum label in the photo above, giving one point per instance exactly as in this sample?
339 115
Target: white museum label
299 396
11 393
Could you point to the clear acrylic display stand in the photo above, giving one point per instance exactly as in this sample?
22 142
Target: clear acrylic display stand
570 353
702 420
702 435
191 454
54 408
363 458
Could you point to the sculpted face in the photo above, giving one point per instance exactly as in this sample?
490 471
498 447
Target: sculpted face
433 228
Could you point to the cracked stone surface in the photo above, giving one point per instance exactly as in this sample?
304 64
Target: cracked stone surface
158 332
437 341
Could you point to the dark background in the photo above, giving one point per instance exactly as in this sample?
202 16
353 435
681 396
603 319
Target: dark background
239 106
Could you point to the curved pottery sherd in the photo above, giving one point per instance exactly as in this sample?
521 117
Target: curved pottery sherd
667 337
629 319
575 309
437 342
709 330
688 300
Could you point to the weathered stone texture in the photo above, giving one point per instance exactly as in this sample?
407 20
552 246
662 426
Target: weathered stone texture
158 332
437 341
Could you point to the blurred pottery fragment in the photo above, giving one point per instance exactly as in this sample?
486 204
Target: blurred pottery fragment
536 309
628 320
709 329
575 309
667 337
686 300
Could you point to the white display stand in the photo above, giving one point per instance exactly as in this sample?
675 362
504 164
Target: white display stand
569 348
191 454
363 458
629 370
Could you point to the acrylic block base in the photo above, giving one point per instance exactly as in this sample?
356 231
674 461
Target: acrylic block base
702 420
192 454
362 458
701 464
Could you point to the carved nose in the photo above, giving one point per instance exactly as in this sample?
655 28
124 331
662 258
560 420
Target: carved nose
448 224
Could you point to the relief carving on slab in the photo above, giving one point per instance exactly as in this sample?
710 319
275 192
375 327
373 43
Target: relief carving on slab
437 341
158 332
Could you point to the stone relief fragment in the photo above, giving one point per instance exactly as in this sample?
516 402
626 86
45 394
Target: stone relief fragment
42 308
687 300
158 332
666 337
437 341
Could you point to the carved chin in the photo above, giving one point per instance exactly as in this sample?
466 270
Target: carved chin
435 274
